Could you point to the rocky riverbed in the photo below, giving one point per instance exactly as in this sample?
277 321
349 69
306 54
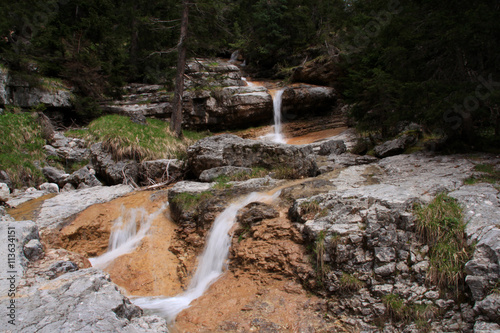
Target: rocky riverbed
364 218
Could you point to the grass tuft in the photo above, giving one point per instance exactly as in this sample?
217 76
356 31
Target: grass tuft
488 174
441 225
128 140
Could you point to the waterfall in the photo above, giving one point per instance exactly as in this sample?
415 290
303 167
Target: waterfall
248 83
211 263
234 56
125 237
277 136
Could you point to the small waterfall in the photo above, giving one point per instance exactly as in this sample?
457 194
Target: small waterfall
277 136
125 236
212 261
234 56
248 83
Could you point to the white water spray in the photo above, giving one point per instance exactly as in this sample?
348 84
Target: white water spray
211 263
125 237
277 136
249 84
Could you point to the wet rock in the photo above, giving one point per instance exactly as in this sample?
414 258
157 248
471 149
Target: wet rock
33 250
113 172
71 302
161 170
210 175
231 150
335 147
256 212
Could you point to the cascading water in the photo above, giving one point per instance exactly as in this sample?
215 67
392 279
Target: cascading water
211 263
277 136
249 84
125 237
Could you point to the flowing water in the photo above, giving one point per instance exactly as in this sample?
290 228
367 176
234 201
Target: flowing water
212 261
125 235
277 135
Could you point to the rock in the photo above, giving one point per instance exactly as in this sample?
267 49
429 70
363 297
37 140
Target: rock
490 307
385 254
68 187
231 150
323 71
396 146
335 147
61 267
484 327
4 178
4 192
55 211
85 176
256 212
71 302
33 250
113 173
161 170
301 100
55 175
49 188
210 175
17 235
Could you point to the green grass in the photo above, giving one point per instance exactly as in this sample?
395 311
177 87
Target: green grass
407 312
312 208
188 201
126 139
21 148
441 225
349 282
488 174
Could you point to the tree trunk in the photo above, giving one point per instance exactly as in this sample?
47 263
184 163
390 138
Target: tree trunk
176 120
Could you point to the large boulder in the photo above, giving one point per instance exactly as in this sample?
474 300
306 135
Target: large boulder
110 171
304 100
81 301
157 171
231 150
323 71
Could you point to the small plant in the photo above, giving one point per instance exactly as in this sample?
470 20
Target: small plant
312 208
441 226
349 282
221 182
187 201
396 308
285 172
488 175
319 249
401 311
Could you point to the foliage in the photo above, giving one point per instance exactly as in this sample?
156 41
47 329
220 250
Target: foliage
188 201
402 311
440 224
21 148
126 139
488 174
349 282
312 208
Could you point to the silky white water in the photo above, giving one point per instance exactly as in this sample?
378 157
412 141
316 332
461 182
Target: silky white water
249 84
277 136
125 237
211 263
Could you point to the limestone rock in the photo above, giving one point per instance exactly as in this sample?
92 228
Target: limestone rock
55 175
256 212
210 175
490 307
49 188
4 192
55 211
300 100
322 71
396 146
82 301
162 170
33 250
4 178
85 176
231 150
335 147
111 172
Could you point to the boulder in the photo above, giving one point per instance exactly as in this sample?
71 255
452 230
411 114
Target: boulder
5 178
55 175
4 192
113 172
85 176
323 71
396 146
335 147
256 212
210 175
81 301
33 250
304 100
161 170
231 150
49 188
